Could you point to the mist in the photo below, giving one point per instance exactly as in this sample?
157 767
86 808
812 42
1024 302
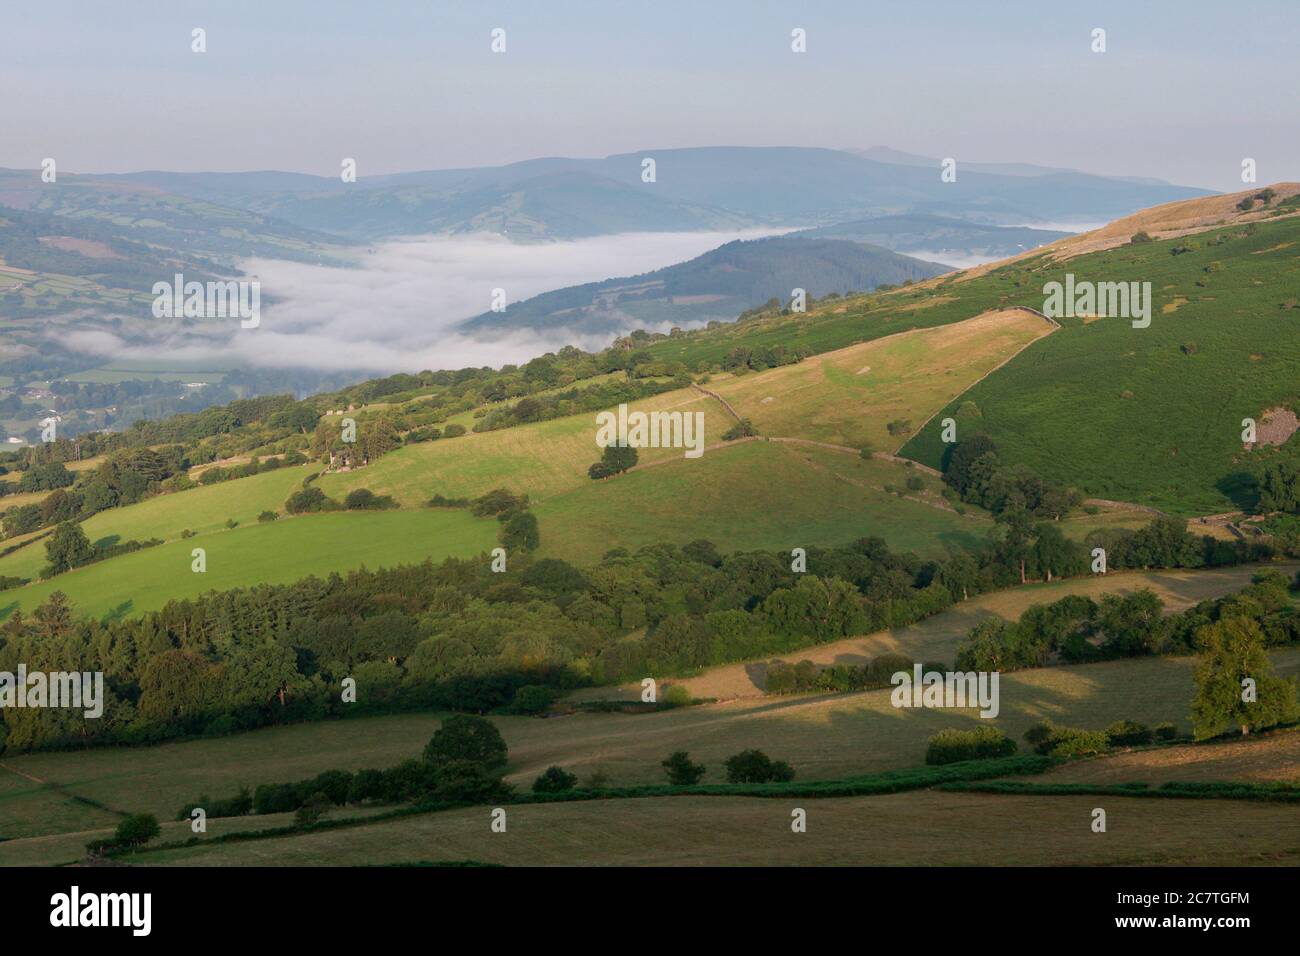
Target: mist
397 310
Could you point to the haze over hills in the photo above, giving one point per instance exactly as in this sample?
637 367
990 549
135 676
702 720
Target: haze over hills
693 188
716 286
940 236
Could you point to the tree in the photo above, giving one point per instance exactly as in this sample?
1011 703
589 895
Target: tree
555 780
67 548
521 532
137 830
960 458
682 772
469 738
1232 654
754 766
615 459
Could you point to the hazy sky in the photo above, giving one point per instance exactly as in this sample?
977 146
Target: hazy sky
1185 90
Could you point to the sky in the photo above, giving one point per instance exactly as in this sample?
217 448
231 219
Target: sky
1184 91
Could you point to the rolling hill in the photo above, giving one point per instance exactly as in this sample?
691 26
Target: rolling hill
714 287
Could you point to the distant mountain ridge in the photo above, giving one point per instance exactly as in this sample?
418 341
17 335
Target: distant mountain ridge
700 188
716 286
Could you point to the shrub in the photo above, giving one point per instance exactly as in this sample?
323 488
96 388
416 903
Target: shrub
915 482
469 781
136 830
363 499
467 738
533 699
980 743
682 772
453 431
1129 733
555 780
316 806
754 766
742 429
677 696
267 516
1078 743
1166 731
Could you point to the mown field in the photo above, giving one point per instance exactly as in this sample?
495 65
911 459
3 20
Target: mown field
274 553
1153 415
824 737
849 396
77 796
755 495
937 638
542 459
928 828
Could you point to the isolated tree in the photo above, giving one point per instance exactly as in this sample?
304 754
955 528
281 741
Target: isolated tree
469 738
1233 653
555 780
618 458
67 548
682 772
137 830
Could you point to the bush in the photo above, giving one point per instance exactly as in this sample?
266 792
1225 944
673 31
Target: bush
1166 731
682 772
742 429
317 806
308 500
533 699
467 738
555 780
363 499
677 696
980 743
1079 743
453 431
469 781
754 766
267 516
1129 733
136 830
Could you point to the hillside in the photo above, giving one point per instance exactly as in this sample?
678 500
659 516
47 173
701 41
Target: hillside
922 235
714 287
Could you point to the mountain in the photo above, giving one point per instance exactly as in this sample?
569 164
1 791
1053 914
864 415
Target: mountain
716 286
936 235
693 189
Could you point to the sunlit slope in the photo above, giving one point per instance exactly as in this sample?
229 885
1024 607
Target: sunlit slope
275 553
541 459
166 516
849 396
752 495
1154 415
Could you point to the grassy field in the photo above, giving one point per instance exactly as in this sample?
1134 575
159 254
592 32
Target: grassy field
849 396
199 510
543 459
1267 757
275 553
754 495
937 638
928 828
824 737
1153 415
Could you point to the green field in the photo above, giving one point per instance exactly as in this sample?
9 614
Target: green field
753 495
277 553
542 460
166 516
1153 415
849 396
